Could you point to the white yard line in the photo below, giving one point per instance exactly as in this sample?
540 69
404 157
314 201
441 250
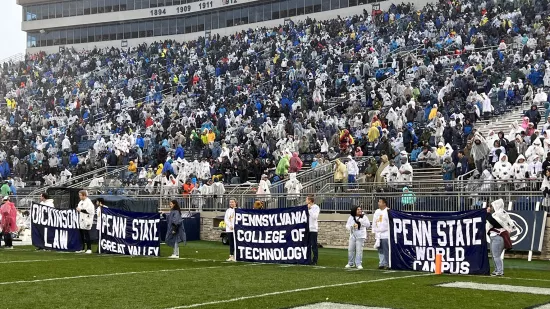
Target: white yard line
110 275
37 261
295 291
497 287
545 306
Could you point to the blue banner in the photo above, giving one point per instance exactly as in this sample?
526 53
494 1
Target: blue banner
416 238
129 233
272 235
55 229
528 234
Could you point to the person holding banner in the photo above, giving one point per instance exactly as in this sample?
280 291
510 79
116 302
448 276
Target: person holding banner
357 226
499 227
175 232
381 228
229 220
46 200
86 209
314 211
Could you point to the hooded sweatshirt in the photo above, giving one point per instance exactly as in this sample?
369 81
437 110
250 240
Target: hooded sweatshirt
502 169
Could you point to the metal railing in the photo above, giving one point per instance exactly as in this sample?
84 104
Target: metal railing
341 202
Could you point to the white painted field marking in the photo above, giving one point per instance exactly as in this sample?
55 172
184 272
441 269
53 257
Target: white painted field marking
36 261
545 306
295 291
110 275
335 306
497 287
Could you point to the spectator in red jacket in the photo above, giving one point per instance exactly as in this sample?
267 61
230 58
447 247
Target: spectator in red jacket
295 163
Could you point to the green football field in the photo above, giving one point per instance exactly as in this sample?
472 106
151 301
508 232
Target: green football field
202 279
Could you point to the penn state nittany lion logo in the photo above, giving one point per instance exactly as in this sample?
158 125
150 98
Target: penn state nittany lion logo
521 228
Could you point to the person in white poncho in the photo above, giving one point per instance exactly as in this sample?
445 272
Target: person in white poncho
499 226
357 226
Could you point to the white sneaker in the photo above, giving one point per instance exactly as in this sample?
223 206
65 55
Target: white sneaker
79 251
88 252
348 266
8 248
174 257
359 267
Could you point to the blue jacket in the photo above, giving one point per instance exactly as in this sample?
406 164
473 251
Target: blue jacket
73 159
140 142
180 152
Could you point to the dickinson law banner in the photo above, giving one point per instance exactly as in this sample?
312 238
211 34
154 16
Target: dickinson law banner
55 229
272 235
129 233
416 238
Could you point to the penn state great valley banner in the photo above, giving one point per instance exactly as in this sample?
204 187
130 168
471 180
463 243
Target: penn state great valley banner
129 233
55 229
272 235
416 238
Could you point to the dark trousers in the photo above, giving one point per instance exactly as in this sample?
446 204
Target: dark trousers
313 247
7 239
86 240
231 244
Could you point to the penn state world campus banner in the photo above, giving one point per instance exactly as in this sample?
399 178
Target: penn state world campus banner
55 229
129 233
272 235
416 238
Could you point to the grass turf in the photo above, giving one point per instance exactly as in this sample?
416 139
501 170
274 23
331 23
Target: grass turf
201 279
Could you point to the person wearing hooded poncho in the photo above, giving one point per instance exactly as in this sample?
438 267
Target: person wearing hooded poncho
479 152
379 178
520 171
283 166
498 223
175 233
408 198
370 171
357 226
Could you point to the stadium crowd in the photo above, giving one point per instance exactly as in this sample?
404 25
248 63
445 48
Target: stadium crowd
406 85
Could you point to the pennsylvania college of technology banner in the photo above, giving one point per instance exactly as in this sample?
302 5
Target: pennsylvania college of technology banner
272 235
55 229
416 238
129 233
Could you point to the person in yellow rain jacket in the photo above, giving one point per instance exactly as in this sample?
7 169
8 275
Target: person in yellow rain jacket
10 103
441 150
211 136
373 133
132 167
433 112
159 169
204 137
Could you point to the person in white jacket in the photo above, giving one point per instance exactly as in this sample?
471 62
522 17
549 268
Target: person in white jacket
535 150
86 209
264 193
502 170
498 222
406 170
46 200
381 229
520 171
353 170
229 220
314 211
357 226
